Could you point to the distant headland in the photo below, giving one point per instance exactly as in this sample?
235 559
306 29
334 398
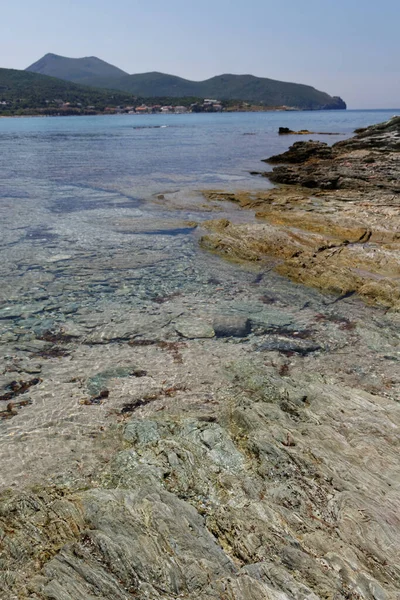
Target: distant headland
60 85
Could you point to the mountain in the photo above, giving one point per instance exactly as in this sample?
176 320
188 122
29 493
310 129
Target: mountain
78 70
22 90
246 88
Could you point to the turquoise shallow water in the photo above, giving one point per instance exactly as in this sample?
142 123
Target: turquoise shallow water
79 210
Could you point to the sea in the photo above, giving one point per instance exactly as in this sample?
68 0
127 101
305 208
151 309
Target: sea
99 244
145 154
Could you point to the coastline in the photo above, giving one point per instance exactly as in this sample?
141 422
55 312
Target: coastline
248 109
333 220
207 430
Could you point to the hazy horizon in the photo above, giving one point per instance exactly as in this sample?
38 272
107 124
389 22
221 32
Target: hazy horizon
348 49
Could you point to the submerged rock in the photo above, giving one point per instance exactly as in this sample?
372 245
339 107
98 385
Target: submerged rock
98 382
194 328
272 502
231 326
289 347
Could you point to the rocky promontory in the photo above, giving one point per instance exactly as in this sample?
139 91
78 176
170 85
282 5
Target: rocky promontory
334 220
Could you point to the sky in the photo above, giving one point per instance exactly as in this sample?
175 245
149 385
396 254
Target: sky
348 48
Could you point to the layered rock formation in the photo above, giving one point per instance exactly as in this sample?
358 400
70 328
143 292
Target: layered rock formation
274 490
344 235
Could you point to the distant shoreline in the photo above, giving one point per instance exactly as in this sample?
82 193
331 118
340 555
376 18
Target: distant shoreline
114 114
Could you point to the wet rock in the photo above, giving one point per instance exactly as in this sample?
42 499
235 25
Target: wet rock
301 152
72 330
231 326
59 258
17 311
289 347
268 321
8 337
126 329
142 561
142 432
33 346
272 503
98 383
99 399
11 312
194 328
28 366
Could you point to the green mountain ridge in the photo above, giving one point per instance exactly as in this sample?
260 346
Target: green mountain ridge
246 88
77 70
25 93
23 90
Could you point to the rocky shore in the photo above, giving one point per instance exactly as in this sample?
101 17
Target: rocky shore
174 426
334 220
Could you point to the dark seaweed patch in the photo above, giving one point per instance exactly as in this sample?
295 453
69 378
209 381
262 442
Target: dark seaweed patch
16 388
40 234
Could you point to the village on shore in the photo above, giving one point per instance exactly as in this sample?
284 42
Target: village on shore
59 107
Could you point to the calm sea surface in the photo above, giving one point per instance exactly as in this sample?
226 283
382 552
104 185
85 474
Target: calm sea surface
145 154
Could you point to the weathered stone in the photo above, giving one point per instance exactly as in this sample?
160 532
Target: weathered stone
194 328
231 326
302 151
288 347
98 382
142 432
202 509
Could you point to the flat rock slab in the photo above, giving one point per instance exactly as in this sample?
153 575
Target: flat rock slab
59 258
99 382
269 320
289 347
17 310
194 328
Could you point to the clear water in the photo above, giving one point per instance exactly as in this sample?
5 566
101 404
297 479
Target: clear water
142 154
96 222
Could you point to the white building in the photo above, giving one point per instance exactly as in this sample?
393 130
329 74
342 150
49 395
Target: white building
179 110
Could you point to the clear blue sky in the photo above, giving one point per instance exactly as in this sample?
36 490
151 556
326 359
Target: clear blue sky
349 48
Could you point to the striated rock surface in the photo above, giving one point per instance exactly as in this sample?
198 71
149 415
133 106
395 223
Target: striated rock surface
282 488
